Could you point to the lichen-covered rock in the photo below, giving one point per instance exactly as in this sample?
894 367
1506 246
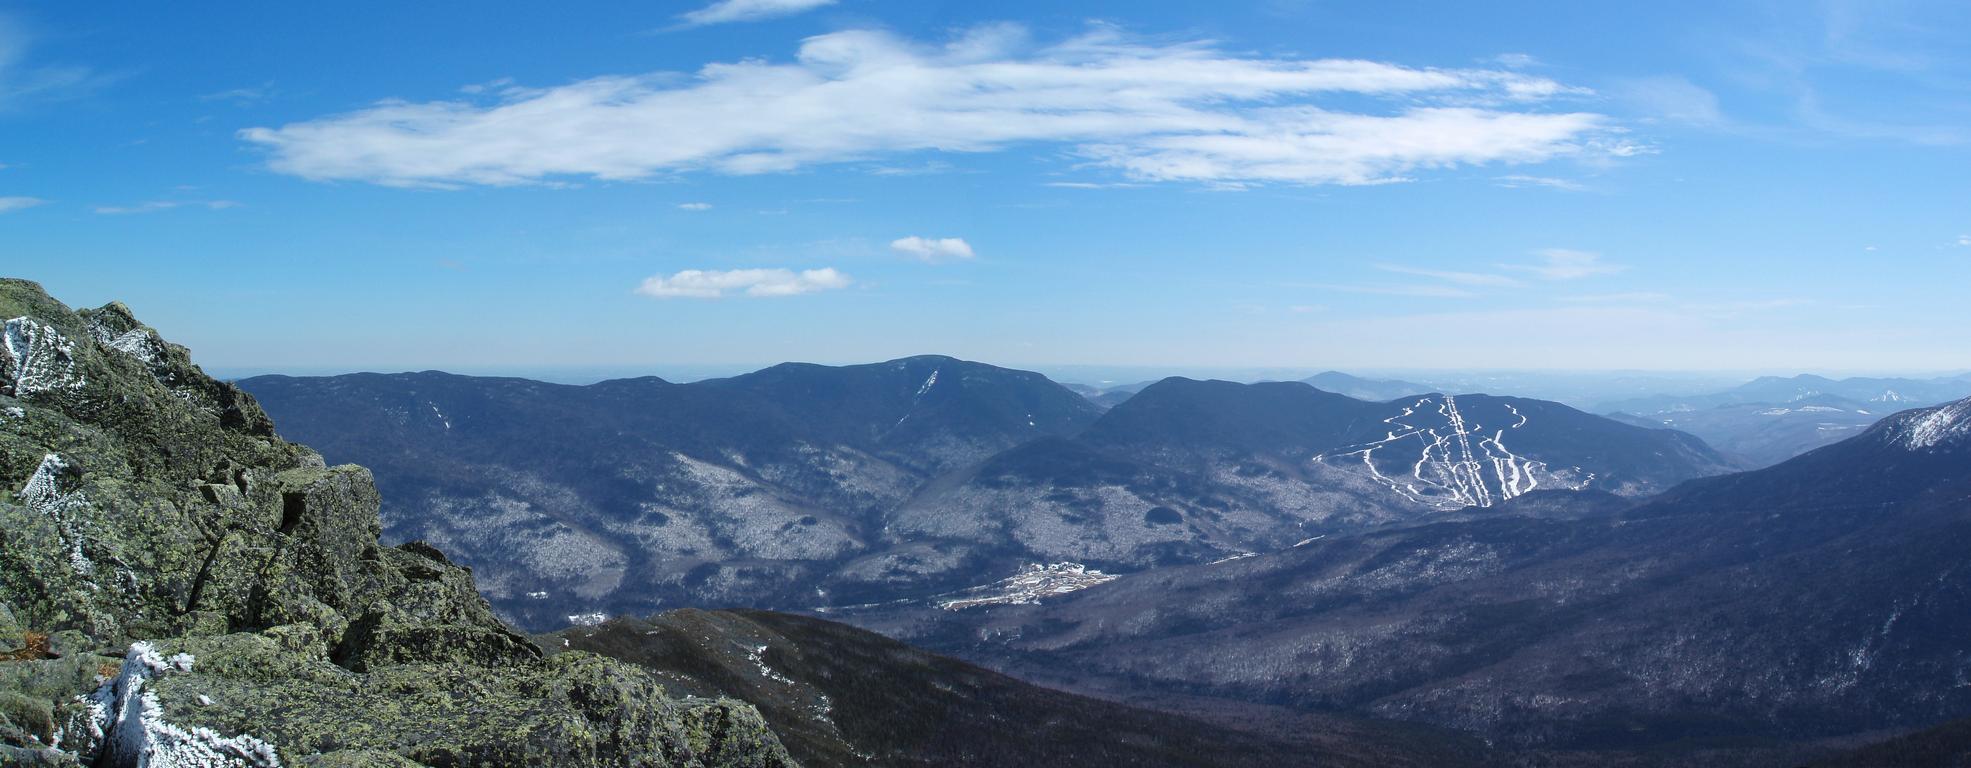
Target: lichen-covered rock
179 586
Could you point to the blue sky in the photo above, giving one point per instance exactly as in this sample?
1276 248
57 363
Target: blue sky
1776 187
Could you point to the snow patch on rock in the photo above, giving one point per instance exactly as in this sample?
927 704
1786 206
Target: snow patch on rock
140 343
45 493
133 732
35 358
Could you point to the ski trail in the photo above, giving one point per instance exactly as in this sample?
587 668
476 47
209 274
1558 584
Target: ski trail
1459 462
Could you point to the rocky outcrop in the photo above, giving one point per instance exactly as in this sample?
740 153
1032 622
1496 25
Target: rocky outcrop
179 586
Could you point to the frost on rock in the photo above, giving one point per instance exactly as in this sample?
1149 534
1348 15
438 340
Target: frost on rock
140 343
36 358
1030 585
45 493
132 731
1932 428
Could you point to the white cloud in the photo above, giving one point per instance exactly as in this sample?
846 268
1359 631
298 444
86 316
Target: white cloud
1516 60
8 204
726 11
153 206
1564 264
933 249
694 206
241 96
1149 111
1516 181
715 284
1962 240
1461 278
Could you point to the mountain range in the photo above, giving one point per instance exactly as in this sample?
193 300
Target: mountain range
805 486
1815 599
179 586
1488 580
1771 419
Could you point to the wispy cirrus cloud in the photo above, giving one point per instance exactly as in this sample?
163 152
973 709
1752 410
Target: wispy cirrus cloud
18 203
1517 180
1420 291
933 249
241 96
1627 297
1566 264
755 283
729 11
1460 278
1144 111
22 80
155 206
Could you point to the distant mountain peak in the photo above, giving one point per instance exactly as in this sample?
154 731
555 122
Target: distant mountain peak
1929 429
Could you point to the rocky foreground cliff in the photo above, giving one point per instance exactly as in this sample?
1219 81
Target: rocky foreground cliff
180 587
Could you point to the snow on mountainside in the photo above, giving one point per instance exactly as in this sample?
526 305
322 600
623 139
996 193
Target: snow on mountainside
1928 429
633 494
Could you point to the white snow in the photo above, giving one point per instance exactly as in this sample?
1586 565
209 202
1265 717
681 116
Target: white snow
588 619
140 343
928 383
36 358
1932 428
43 494
758 657
136 733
